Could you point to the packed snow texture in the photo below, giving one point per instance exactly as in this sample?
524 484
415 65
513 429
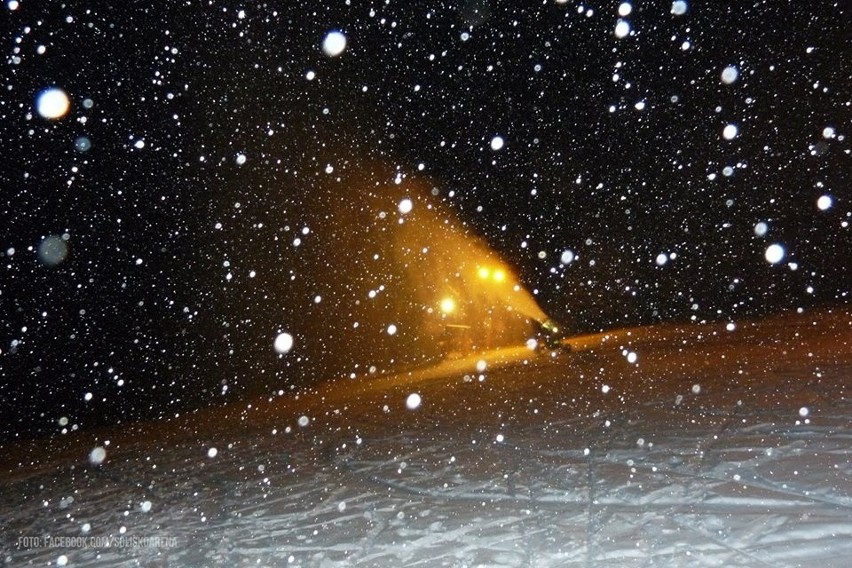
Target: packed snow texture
721 446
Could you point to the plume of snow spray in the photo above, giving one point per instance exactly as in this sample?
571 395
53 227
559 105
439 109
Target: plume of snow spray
404 280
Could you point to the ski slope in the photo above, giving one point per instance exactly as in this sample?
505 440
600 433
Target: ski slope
689 445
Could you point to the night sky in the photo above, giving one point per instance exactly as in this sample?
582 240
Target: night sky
219 178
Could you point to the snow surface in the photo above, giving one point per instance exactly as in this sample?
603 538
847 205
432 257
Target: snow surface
721 445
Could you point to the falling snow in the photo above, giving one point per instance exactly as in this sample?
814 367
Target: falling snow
52 103
413 401
283 343
775 253
729 74
334 43
545 284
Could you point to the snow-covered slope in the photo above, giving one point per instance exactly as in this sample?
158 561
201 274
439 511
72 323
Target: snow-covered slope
701 445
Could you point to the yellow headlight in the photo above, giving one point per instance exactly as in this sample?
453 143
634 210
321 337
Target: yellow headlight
448 305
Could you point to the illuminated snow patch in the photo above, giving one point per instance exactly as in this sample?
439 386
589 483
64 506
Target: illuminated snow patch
760 228
622 29
532 344
283 343
804 411
481 365
662 258
145 506
391 329
774 253
730 132
824 202
405 206
413 401
679 7
624 9
497 143
303 421
211 453
828 132
334 43
731 326
52 103
632 357
97 455
605 389
241 159
696 388
567 257
730 74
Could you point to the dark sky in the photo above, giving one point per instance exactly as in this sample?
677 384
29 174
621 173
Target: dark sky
149 252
